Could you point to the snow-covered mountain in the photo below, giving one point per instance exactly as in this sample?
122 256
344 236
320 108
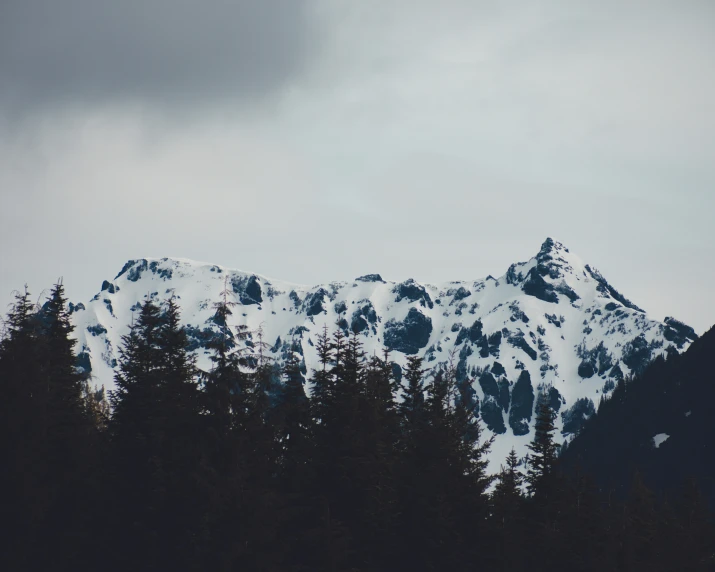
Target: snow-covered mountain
552 324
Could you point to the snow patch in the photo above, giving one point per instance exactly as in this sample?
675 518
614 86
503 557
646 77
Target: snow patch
659 439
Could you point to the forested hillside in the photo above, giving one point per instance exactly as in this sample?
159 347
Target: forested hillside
660 424
236 467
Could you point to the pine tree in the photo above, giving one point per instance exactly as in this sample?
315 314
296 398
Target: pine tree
64 380
182 455
544 450
323 392
695 537
470 456
135 400
156 445
507 516
48 441
292 415
442 479
377 430
226 385
412 405
23 432
299 523
507 495
178 389
24 392
72 438
256 486
137 440
640 546
228 392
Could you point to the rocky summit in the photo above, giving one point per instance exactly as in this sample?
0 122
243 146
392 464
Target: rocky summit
551 325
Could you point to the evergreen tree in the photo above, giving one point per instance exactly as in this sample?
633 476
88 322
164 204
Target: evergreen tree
136 441
376 467
293 418
412 405
178 389
156 446
228 393
323 392
49 443
257 435
547 500
640 548
72 438
23 431
182 452
226 385
299 534
544 450
64 381
507 495
695 536
507 516
442 479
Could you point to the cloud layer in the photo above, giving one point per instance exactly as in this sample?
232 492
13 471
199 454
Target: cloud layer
163 51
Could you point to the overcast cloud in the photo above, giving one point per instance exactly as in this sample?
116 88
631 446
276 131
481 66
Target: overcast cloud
322 139
163 52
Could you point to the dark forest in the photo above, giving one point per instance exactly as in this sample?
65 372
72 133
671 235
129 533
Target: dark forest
242 468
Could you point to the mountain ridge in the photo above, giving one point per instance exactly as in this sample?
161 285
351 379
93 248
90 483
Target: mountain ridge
552 324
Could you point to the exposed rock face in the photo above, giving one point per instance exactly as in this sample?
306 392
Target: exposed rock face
410 335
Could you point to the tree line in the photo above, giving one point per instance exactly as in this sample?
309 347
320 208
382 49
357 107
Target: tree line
239 468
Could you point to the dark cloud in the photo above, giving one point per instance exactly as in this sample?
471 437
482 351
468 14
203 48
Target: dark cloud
162 51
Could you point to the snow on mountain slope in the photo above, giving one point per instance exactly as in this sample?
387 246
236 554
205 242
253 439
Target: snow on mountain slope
550 325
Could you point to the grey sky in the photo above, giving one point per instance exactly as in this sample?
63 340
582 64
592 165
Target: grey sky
324 139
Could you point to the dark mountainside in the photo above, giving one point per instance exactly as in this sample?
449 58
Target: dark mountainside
673 397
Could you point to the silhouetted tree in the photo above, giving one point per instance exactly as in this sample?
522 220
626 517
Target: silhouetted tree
543 449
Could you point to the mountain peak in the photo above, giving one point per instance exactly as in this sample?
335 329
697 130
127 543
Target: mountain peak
552 247
554 270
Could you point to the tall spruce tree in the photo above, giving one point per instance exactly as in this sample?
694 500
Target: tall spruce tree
137 440
156 447
323 390
544 451
413 401
182 454
48 441
507 516
507 495
229 393
376 468
332 536
23 432
64 381
72 438
299 530
295 424
442 480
